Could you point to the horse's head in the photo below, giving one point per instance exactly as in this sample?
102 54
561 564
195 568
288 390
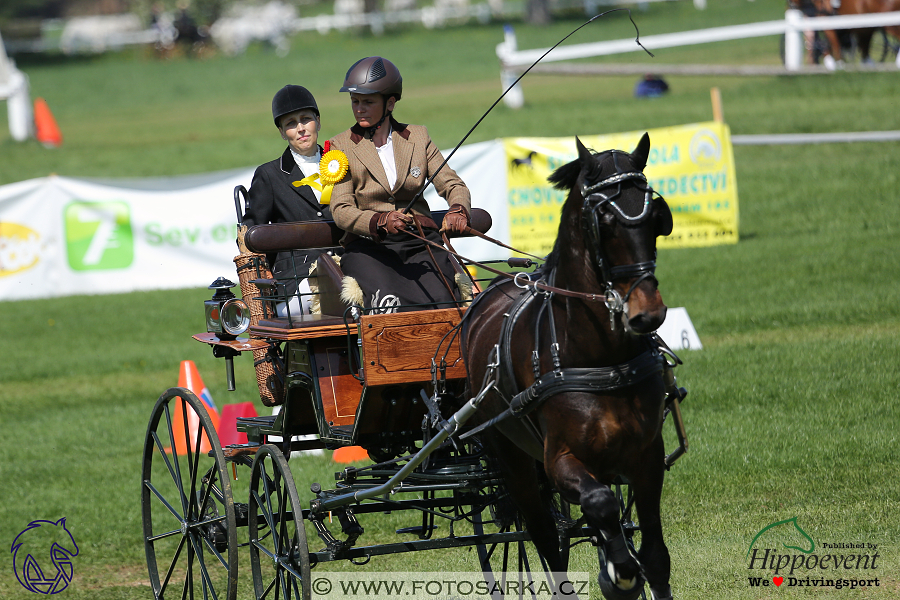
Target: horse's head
620 218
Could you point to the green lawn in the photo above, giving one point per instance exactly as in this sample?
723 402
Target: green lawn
790 411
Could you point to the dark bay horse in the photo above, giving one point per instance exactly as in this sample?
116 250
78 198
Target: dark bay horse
596 411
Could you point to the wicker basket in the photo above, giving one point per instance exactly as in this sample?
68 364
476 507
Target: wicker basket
253 266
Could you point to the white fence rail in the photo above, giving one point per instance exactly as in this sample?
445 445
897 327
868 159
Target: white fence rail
514 61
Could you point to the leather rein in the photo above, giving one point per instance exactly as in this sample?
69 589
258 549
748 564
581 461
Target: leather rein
594 200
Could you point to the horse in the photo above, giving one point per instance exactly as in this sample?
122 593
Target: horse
864 36
576 344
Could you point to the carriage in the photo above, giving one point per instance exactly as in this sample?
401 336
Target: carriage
395 384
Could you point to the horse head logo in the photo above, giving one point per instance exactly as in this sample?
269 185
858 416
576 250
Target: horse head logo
42 556
787 528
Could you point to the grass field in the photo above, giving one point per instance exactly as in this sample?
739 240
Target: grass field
790 411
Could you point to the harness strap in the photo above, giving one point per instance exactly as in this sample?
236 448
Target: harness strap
591 380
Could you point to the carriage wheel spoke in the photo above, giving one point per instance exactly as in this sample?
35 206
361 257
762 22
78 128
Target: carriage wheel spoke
178 480
204 573
193 459
212 549
268 587
165 502
267 514
171 569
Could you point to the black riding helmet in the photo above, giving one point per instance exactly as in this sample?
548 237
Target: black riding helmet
291 98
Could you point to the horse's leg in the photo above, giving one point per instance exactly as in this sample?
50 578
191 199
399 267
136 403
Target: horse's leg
834 42
601 509
647 486
864 41
522 480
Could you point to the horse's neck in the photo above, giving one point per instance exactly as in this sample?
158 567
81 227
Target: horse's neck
584 331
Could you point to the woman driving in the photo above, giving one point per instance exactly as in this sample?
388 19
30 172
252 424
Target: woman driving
389 162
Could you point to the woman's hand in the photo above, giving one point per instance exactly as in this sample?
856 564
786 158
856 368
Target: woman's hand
392 222
456 220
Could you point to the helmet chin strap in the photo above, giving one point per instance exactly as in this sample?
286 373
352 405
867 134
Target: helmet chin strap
371 131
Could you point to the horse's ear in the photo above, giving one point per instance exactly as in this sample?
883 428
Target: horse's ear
663 218
642 151
584 155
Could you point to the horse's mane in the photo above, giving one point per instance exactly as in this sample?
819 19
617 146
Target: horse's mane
565 178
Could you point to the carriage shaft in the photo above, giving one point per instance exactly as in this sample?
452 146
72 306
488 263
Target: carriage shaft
451 426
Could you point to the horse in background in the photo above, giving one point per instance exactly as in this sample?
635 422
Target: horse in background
864 36
582 355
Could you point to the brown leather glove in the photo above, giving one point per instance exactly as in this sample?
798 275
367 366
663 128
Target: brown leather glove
392 222
456 220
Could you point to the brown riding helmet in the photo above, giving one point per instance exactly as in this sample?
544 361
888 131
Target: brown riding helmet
374 75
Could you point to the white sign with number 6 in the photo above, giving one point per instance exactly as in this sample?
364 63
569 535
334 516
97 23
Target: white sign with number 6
678 331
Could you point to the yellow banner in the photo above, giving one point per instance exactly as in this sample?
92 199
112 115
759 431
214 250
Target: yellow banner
691 166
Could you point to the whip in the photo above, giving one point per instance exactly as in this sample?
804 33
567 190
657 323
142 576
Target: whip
430 179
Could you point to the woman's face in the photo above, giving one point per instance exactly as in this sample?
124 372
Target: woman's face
301 130
369 108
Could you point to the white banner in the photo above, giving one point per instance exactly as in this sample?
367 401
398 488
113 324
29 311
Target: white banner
61 236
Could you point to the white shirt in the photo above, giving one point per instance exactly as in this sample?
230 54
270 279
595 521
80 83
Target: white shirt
309 165
386 154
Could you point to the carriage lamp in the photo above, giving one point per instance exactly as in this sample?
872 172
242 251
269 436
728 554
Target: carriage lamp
226 315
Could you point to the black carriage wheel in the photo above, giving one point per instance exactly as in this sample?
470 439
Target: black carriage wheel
879 46
186 502
505 562
279 553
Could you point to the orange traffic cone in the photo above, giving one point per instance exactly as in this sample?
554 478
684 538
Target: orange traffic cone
46 130
349 454
189 378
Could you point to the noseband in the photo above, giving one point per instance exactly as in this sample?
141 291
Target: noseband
596 197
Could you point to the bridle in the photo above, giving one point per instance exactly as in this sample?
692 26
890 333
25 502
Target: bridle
597 196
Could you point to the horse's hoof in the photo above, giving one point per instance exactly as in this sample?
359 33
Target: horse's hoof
664 594
614 588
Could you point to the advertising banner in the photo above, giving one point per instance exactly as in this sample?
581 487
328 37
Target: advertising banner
692 166
61 236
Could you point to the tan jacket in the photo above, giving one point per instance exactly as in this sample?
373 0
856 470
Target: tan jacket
364 192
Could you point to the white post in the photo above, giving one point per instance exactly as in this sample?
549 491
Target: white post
793 40
515 98
14 89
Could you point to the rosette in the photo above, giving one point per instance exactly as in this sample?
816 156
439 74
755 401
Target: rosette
333 167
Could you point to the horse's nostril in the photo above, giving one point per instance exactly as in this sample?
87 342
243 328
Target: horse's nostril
645 323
